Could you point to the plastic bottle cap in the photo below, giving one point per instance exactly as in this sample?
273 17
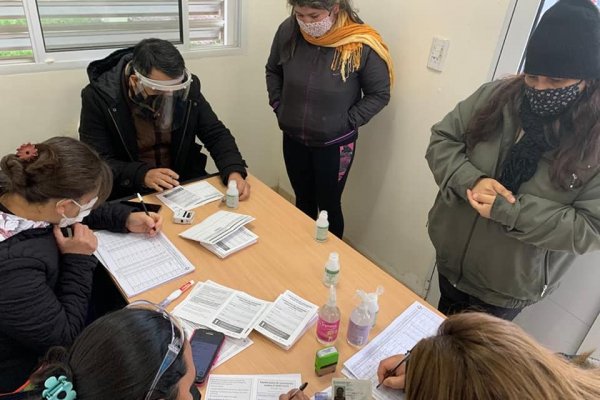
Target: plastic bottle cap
323 214
333 256
232 185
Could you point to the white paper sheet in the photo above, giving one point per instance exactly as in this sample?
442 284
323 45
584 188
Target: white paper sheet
286 319
250 387
223 309
235 242
216 227
414 324
190 196
140 262
202 302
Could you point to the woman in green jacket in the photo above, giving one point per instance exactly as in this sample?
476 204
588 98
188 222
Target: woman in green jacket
517 166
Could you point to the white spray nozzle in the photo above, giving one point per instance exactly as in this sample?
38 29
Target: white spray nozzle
375 295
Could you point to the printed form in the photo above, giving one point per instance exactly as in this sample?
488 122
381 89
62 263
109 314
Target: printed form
223 309
287 319
190 196
250 387
414 324
217 227
140 262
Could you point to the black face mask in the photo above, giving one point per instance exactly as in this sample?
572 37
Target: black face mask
552 102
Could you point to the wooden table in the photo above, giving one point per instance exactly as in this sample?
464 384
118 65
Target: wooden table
285 257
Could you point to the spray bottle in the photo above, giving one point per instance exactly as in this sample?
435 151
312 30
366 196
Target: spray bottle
373 306
331 275
232 196
328 324
360 322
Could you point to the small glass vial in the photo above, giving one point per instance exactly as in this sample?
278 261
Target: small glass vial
331 275
232 196
322 226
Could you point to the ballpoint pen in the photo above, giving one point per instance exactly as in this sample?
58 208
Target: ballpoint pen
139 196
392 371
300 389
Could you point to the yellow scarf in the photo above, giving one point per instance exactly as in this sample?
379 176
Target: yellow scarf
348 38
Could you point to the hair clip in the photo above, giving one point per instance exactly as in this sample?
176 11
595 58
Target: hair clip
59 389
27 152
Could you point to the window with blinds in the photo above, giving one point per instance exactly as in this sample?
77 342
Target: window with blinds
15 43
63 26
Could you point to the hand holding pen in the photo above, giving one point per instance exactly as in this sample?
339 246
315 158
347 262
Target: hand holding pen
295 394
392 371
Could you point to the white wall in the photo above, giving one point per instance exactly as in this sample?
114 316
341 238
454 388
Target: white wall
39 105
390 188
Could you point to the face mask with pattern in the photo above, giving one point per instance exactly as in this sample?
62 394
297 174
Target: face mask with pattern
316 29
552 102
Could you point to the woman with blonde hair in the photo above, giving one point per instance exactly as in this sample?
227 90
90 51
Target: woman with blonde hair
478 356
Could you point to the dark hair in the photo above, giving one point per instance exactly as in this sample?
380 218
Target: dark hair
578 129
117 357
159 54
345 5
64 168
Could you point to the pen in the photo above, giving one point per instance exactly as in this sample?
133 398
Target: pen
176 294
139 196
393 371
300 389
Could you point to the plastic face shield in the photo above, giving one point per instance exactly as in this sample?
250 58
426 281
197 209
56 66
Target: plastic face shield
174 348
162 99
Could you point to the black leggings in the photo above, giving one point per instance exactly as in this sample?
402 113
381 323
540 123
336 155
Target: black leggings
454 301
318 176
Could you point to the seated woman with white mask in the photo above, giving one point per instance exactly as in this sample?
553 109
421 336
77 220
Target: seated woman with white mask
47 275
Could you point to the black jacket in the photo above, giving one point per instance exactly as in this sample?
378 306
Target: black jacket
107 125
44 295
313 105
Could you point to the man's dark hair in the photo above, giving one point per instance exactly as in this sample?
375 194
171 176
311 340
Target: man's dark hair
159 54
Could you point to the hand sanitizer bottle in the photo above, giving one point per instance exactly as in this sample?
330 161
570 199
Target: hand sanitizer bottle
331 276
232 196
360 322
322 227
373 306
328 324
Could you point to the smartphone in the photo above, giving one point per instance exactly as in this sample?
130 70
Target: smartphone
138 206
205 347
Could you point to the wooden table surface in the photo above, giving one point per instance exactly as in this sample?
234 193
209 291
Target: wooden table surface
285 257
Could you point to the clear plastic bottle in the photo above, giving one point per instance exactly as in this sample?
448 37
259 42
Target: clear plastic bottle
232 196
328 324
359 326
373 305
331 275
322 226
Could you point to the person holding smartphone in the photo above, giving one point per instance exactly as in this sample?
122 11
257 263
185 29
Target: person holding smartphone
138 353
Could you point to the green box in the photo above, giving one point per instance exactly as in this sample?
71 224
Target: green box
326 360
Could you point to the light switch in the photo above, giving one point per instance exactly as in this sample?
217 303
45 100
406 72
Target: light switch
438 53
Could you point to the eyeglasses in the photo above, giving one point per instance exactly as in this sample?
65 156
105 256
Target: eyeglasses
174 348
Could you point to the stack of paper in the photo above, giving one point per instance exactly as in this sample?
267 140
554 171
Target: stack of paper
414 324
250 387
237 313
223 233
139 262
190 196
287 319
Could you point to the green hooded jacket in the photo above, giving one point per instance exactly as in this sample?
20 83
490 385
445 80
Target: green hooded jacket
520 254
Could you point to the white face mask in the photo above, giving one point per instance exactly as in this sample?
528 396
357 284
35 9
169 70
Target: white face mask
84 211
316 29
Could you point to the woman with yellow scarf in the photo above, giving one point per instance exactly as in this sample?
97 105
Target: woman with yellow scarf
328 74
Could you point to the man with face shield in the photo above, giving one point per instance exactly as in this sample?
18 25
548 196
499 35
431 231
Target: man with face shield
143 111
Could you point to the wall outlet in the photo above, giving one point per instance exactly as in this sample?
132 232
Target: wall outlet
438 53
